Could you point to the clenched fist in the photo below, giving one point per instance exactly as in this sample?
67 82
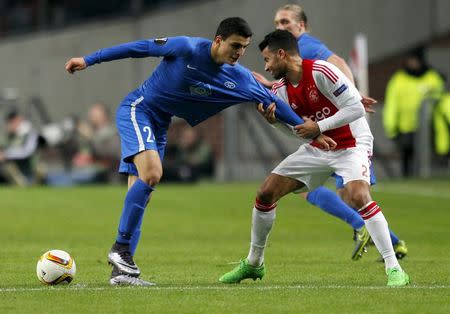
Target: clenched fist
75 64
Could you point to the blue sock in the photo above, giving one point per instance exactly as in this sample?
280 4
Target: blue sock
394 237
133 211
135 237
331 203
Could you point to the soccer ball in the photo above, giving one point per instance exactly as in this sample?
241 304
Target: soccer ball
55 267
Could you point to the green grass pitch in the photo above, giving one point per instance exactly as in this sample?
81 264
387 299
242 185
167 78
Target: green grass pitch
193 233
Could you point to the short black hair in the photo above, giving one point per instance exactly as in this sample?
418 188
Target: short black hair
280 39
234 26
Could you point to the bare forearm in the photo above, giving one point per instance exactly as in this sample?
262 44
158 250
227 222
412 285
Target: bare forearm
342 65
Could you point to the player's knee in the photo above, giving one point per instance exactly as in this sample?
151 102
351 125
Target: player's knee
357 194
148 164
359 198
152 178
266 195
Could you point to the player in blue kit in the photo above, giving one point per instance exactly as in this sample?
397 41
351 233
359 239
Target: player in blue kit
292 18
196 79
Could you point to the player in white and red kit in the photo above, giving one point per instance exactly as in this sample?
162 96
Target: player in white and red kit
330 104
292 17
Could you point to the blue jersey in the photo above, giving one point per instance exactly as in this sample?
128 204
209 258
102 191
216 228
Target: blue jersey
312 48
188 83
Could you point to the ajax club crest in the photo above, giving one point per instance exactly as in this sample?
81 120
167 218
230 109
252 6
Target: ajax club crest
312 94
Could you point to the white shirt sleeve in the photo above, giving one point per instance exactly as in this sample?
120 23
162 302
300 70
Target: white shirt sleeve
334 85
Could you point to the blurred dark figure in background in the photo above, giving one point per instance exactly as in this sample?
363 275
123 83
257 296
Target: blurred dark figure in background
189 158
74 146
92 150
103 141
17 158
405 93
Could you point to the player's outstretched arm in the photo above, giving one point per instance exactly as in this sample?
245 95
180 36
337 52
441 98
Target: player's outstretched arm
341 65
75 64
158 47
259 94
263 80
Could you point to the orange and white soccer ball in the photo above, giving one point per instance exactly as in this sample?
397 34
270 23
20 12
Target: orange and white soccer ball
55 267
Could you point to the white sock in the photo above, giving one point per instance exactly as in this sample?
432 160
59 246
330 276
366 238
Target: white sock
261 225
378 229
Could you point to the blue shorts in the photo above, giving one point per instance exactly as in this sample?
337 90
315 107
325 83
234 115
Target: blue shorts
140 128
340 180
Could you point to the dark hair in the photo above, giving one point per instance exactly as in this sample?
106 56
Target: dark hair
417 52
234 26
11 115
280 39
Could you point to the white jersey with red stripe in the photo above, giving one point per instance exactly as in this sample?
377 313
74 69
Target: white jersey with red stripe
325 95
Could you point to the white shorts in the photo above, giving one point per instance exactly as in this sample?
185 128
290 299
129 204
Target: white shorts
313 166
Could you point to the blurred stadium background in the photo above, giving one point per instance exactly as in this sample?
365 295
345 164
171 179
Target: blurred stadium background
38 36
193 232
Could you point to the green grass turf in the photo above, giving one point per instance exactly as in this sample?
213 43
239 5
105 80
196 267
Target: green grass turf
192 232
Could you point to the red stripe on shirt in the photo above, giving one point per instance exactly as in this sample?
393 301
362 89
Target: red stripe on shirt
280 83
329 74
277 86
323 66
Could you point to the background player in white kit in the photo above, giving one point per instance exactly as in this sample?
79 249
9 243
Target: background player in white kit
320 92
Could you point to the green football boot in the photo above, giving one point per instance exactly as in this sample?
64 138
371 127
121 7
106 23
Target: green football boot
243 271
397 278
400 249
361 238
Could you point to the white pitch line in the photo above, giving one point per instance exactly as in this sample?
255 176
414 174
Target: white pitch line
224 288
